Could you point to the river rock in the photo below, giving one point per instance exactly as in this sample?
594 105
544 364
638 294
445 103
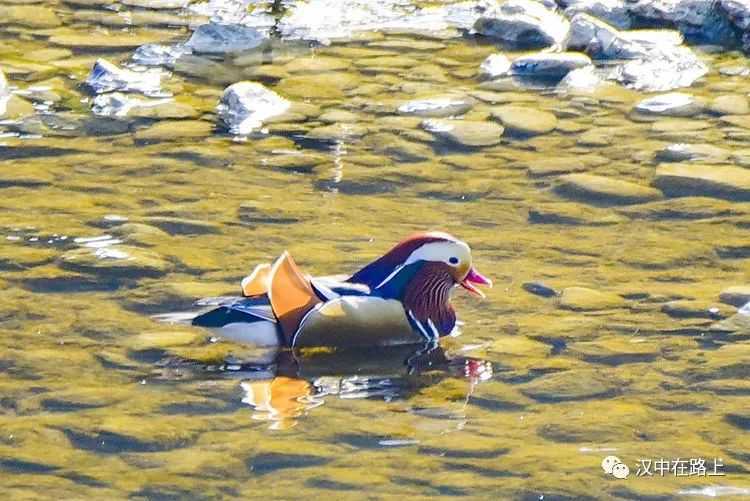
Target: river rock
152 54
571 385
446 106
604 190
704 180
664 68
244 106
656 61
737 295
328 20
523 24
465 132
700 20
583 298
524 121
696 309
215 38
119 260
549 65
119 105
675 104
584 79
30 16
573 214
681 152
730 104
614 12
106 77
496 65
599 39
156 4
737 12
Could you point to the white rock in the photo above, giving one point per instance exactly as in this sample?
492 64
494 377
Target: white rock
549 65
244 106
436 107
582 79
158 55
496 65
664 69
106 77
215 38
117 104
672 104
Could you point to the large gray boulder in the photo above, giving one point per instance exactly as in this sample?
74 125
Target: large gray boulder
737 13
699 20
245 106
523 24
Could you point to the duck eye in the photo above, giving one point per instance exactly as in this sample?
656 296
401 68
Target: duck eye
453 260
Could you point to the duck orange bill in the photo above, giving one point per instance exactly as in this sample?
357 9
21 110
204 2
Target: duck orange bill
474 278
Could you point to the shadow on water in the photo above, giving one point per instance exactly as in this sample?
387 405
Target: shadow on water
287 387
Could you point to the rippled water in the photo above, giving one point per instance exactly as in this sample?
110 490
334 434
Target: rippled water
105 222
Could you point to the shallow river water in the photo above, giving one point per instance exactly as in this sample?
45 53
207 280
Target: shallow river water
599 338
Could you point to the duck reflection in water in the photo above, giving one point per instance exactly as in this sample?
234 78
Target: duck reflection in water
299 382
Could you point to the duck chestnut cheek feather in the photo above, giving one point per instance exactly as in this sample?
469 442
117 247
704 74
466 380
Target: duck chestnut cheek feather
427 295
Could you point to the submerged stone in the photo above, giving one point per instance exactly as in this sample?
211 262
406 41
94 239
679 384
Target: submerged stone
523 24
571 385
446 106
158 55
681 152
604 190
730 104
119 105
106 77
119 260
465 132
244 106
736 295
675 104
703 180
524 121
583 298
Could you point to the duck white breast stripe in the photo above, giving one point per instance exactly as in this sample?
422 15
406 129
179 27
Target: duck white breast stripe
419 325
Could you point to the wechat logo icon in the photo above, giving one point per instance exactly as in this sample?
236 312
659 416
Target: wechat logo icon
613 466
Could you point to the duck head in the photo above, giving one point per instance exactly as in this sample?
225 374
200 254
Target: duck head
421 271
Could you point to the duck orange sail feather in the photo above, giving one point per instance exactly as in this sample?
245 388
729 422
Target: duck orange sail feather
291 295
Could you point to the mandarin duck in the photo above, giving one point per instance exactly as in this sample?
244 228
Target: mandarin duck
403 297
